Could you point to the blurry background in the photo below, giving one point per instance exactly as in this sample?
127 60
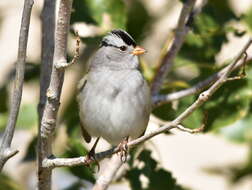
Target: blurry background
219 159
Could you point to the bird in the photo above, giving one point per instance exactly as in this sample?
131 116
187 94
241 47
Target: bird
114 99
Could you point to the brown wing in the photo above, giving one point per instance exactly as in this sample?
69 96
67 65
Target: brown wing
80 87
85 134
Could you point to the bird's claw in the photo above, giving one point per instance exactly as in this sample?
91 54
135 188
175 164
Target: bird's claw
91 155
123 149
91 158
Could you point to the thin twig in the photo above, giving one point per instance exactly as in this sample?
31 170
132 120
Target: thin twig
49 117
166 98
76 54
183 27
203 97
5 151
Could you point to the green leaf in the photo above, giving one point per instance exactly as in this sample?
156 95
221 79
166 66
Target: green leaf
94 11
240 131
229 104
208 33
81 12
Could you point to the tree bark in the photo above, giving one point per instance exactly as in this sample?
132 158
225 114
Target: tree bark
5 149
49 115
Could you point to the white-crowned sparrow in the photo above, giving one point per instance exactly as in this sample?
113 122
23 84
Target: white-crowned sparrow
114 99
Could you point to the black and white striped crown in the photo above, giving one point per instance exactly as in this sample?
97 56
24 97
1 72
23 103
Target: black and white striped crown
124 36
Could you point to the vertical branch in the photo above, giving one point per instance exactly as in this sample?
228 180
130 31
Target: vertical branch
181 31
5 151
49 116
47 51
48 29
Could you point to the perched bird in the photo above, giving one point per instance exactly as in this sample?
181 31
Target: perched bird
114 99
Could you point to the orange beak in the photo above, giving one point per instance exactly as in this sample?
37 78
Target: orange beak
138 50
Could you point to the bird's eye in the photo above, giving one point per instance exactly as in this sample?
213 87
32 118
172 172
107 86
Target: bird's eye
123 48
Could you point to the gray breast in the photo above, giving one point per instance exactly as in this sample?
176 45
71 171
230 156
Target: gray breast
115 106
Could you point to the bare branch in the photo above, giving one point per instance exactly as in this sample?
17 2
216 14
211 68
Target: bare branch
203 97
108 174
48 43
76 54
183 27
49 116
166 98
47 50
192 131
5 151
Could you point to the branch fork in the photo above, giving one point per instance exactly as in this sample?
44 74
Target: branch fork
63 63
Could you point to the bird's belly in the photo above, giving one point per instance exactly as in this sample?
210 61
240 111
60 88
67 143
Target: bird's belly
114 118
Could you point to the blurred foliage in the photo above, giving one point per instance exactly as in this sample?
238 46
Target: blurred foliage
231 103
3 107
76 186
230 109
158 178
28 113
31 152
248 19
243 171
94 11
76 149
28 116
7 183
208 34
143 20
234 172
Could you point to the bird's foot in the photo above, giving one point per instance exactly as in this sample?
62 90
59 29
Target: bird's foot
91 159
123 149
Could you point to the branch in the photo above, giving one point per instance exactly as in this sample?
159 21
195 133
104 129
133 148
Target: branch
49 116
183 27
203 97
108 174
61 65
47 52
166 98
5 151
